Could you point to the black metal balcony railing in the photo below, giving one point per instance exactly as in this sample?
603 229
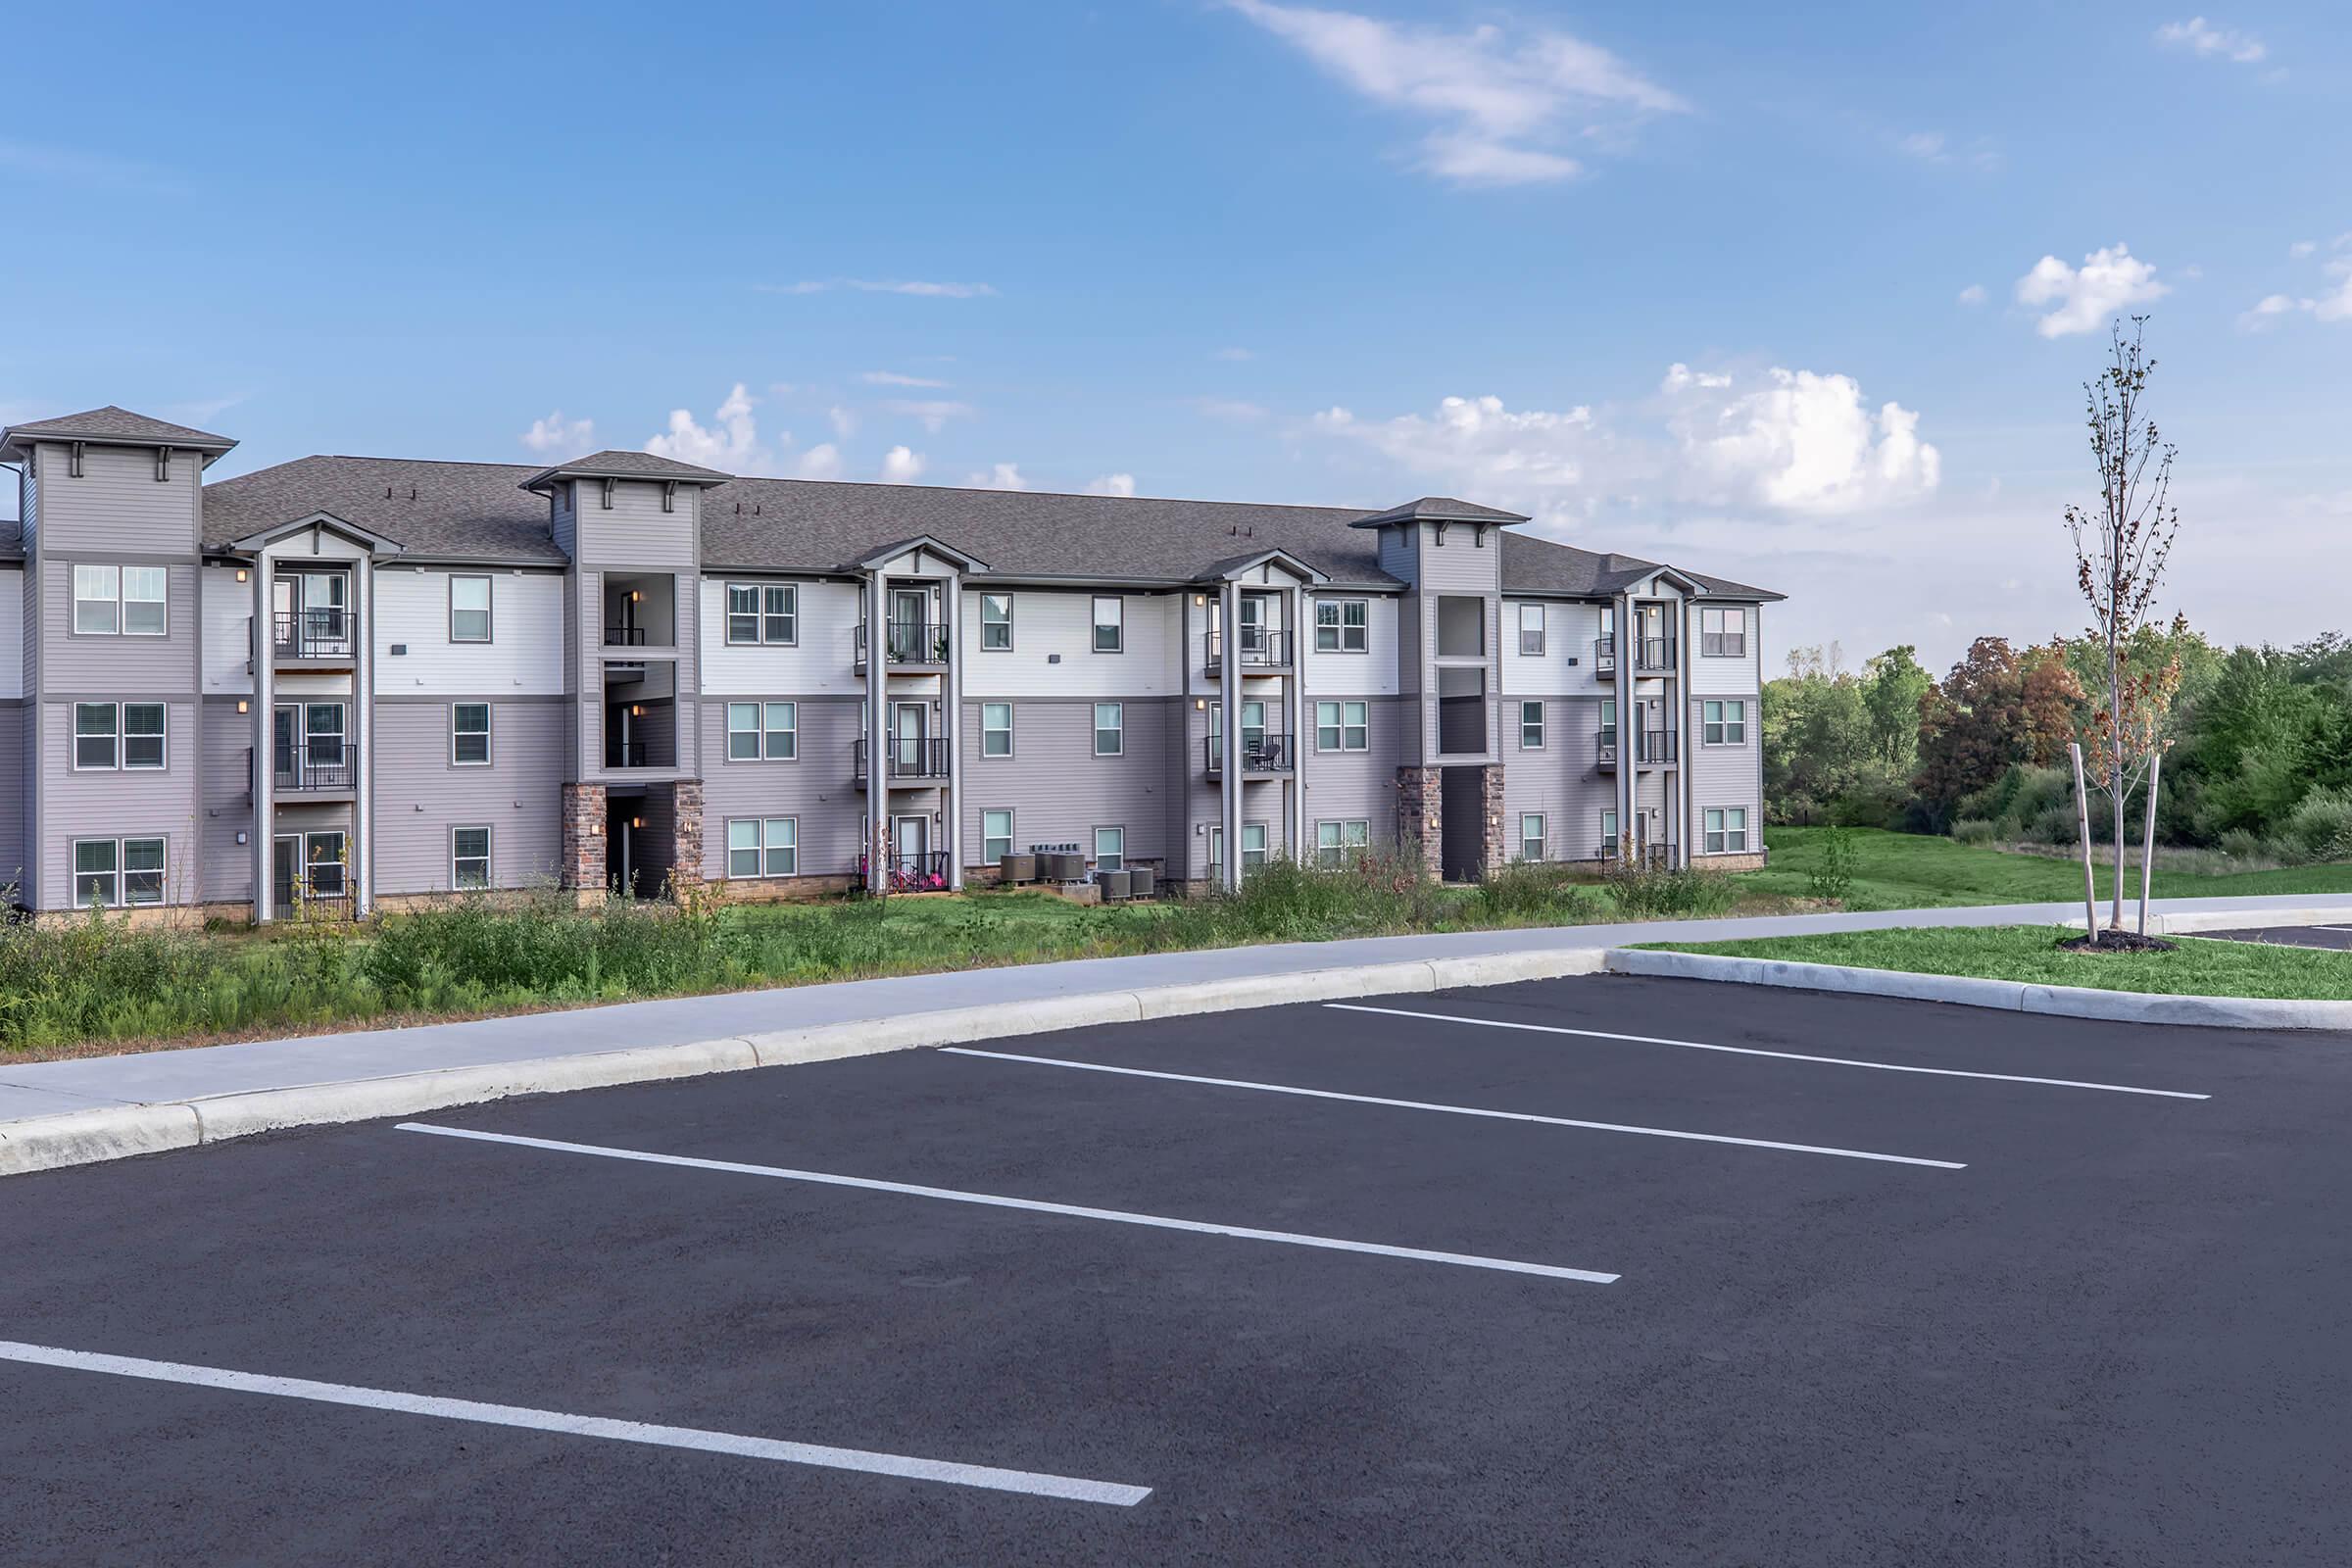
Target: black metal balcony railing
906 758
1606 744
328 633
926 872
625 636
908 642
1658 745
624 753
1604 656
1640 853
1259 648
1654 653
317 763
1262 752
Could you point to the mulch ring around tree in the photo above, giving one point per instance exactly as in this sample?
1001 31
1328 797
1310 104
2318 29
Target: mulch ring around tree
2117 941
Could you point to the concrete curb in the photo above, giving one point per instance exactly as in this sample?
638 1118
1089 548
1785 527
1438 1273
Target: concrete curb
2188 923
117 1132
2066 1002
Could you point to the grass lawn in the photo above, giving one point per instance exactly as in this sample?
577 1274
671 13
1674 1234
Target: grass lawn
2031 954
1912 871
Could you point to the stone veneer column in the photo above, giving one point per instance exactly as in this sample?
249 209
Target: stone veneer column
1420 816
584 865
686 836
1492 821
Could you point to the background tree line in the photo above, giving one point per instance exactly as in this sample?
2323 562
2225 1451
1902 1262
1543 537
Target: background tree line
2261 764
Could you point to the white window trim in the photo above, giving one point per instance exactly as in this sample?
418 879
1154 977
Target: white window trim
1343 844
1119 729
1096 845
1543 723
1096 623
488 856
986 646
1724 724
1011 824
1542 626
759 729
759 613
1265 839
121 873
1010 744
1340 627
488 730
791 616
1541 840
761 848
1725 634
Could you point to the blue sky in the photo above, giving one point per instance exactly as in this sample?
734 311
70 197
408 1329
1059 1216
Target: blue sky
1255 250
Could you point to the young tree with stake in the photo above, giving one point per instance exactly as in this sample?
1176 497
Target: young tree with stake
2120 547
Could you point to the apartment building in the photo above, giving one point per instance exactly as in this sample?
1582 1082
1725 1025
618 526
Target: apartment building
375 680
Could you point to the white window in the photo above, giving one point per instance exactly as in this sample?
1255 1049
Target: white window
1609 729
764 613
1110 624
1608 834
1725 723
1110 848
743 732
762 732
1335 840
97 735
142 870
1531 836
996 835
322 863
143 735
469 734
763 846
468 610
97 873
1727 831
144 613
1111 729
1531 726
1722 633
1253 845
780 724
996 621
996 729
1342 726
469 858
1531 628
97 601
1342 625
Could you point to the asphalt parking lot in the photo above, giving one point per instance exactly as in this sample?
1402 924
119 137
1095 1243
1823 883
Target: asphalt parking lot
1713 1274
2337 936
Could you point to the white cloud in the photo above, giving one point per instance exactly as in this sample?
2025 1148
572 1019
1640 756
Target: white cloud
2301 248
903 465
843 421
895 378
863 285
1974 294
555 433
1934 147
1504 107
1002 476
2109 281
1232 410
1234 356
1792 441
729 444
934 412
1801 442
2199 37
1112 484
2334 303
820 463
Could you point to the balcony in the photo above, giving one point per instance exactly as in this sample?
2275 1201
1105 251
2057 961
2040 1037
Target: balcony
1263 649
1604 657
625 636
323 635
625 753
1658 746
1651 854
318 766
1655 656
908 759
909 644
1264 755
926 872
1606 746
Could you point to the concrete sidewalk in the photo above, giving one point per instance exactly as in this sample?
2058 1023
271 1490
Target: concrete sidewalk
65 1112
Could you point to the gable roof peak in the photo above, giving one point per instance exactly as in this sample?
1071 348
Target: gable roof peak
1438 508
116 425
614 464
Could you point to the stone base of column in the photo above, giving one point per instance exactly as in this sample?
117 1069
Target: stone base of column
582 869
686 837
1495 853
1420 817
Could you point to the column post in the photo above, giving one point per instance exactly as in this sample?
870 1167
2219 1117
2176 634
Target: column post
264 762
877 729
1294 719
951 818
1229 730
363 724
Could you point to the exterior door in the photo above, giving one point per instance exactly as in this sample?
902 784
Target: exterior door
285 742
910 727
910 625
285 866
1254 626
909 837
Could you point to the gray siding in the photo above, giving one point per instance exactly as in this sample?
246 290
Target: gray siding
1061 792
636 531
118 665
816 788
420 796
1725 775
1343 786
1563 781
117 505
227 866
117 804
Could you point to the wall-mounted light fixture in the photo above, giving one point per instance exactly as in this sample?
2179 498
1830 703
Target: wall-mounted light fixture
636 595
636 710
244 707
636 822
240 574
1199 600
1200 704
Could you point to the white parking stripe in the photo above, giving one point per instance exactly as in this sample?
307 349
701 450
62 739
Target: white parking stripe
1783 1056
983 1476
1031 1204
1459 1110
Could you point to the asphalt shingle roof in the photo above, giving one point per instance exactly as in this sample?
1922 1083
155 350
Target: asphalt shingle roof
12 539
477 512
111 424
628 466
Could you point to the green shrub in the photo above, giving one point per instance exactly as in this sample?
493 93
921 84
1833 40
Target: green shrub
1833 876
1975 830
2319 827
1644 891
1528 891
